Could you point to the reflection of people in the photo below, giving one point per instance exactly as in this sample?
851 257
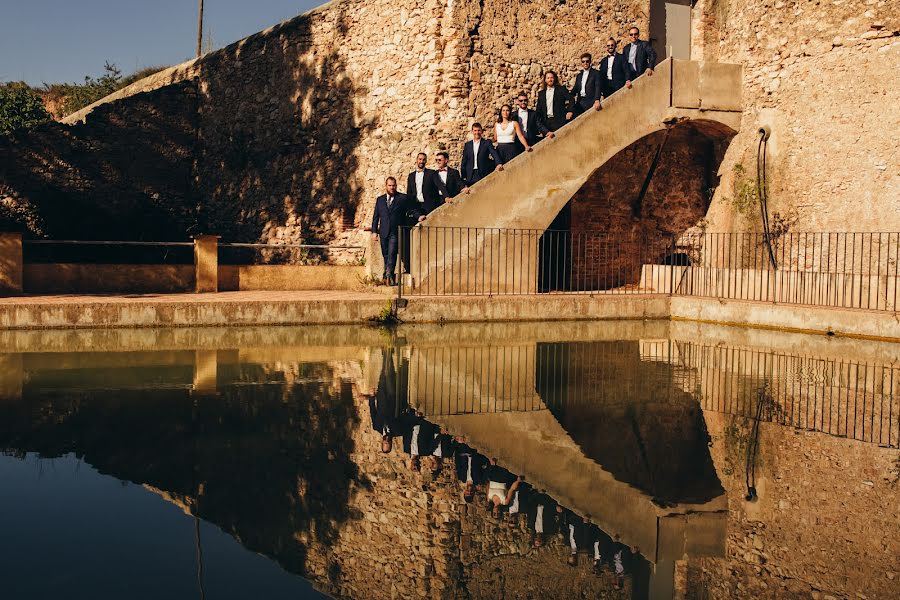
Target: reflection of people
441 448
469 469
542 517
386 405
577 532
501 487
417 435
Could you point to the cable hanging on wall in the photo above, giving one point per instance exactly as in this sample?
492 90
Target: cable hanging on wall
762 190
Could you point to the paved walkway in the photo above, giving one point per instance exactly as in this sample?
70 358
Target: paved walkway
242 297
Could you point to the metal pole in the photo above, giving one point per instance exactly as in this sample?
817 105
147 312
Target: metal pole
200 31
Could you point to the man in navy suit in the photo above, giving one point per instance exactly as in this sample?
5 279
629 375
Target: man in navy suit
392 209
529 122
614 71
586 90
479 158
639 54
449 182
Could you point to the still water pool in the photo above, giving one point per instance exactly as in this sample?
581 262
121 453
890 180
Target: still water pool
567 460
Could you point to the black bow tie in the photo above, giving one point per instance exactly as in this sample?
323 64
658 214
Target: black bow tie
444 170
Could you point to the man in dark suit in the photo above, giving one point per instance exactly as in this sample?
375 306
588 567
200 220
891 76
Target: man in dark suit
558 110
586 90
392 209
479 158
449 182
529 122
421 186
614 71
639 54
385 406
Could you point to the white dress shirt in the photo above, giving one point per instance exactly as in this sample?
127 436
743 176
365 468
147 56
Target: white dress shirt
632 56
609 66
420 178
584 78
550 91
523 119
475 145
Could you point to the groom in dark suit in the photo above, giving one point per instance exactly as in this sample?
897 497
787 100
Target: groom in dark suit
392 209
449 182
479 158
614 71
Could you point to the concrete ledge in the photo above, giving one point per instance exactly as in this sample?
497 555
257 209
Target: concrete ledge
870 324
545 307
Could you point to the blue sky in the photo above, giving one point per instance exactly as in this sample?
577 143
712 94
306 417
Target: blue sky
56 41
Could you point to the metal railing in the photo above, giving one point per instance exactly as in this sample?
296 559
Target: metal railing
843 398
237 253
106 252
837 269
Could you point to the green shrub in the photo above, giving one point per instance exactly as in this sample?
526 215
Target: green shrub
20 107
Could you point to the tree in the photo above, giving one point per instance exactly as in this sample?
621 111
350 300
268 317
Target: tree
20 107
77 96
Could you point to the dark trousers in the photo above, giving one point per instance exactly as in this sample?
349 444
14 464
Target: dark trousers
389 253
477 176
404 248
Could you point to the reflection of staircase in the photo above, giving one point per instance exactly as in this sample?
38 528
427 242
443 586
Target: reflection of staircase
491 395
534 187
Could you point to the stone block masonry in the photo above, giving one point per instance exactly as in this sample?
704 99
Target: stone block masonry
287 135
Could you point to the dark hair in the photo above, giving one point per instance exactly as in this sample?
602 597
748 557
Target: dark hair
444 154
613 40
421 154
477 124
500 112
522 94
391 178
555 77
635 27
587 55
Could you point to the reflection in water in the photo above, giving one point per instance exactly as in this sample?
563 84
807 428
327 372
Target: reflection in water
528 467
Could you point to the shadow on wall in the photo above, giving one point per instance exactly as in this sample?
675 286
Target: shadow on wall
653 190
123 175
278 137
261 146
267 460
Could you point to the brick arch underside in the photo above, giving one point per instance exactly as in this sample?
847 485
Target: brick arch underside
629 209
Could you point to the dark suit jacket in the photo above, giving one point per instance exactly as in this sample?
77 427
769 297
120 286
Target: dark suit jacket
454 185
592 89
532 128
644 59
620 74
488 159
551 523
562 104
429 190
461 461
386 220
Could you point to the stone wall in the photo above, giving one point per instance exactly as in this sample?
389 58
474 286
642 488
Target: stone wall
822 75
297 126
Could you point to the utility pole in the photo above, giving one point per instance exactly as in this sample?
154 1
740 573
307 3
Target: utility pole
200 30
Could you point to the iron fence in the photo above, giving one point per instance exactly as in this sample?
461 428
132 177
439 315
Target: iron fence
580 381
837 269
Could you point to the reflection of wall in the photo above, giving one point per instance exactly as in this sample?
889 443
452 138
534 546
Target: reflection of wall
825 522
